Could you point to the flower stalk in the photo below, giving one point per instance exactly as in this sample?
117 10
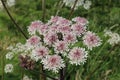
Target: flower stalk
12 19
42 76
72 10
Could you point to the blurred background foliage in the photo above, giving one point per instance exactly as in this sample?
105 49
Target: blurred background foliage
103 14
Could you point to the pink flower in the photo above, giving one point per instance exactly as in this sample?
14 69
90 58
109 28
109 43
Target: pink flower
78 29
60 46
33 41
80 20
53 62
42 29
77 56
41 51
63 21
34 26
69 38
65 29
91 40
54 28
56 20
50 38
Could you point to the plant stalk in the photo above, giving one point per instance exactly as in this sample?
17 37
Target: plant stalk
12 19
72 10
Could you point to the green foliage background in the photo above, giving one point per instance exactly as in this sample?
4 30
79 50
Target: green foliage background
103 14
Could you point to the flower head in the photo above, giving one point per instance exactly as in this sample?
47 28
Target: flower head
114 37
33 41
87 4
78 29
91 40
8 68
10 2
50 38
69 37
80 20
53 62
26 78
60 46
34 27
9 55
41 51
77 56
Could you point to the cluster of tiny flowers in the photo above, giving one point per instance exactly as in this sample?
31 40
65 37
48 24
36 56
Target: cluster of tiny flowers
9 55
8 68
50 43
114 38
91 40
1 6
25 77
85 3
10 3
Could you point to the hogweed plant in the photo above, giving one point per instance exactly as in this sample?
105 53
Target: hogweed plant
54 44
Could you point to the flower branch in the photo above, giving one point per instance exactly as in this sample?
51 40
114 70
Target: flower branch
12 19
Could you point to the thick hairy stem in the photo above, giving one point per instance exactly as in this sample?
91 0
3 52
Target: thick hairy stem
72 10
12 19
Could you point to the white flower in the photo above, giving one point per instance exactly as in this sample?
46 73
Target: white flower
34 57
10 3
26 78
9 55
8 68
77 56
1 6
87 4
114 37
10 47
70 3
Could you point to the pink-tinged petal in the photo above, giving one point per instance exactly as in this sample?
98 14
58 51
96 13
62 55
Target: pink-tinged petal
33 41
34 26
78 29
70 38
50 38
91 40
80 20
41 51
53 62
77 56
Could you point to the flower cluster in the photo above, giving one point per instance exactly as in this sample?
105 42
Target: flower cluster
114 37
8 68
50 43
10 3
85 3
26 78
